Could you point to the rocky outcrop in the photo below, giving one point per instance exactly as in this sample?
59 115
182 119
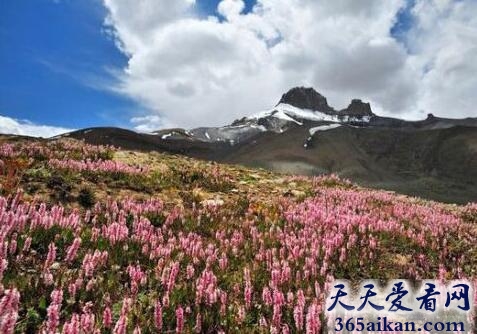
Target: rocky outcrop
306 98
358 108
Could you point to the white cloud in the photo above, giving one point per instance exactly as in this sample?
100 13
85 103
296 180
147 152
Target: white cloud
231 8
191 71
148 124
25 128
136 22
445 45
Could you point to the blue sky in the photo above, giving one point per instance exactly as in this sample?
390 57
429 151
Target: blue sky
56 62
209 7
54 52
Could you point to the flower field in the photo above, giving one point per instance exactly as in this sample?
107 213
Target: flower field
98 240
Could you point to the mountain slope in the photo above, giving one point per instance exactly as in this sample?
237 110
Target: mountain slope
128 139
435 158
437 164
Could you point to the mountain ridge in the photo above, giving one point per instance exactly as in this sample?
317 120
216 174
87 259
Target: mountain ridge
433 158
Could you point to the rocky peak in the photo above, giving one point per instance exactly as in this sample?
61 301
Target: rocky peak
358 108
306 98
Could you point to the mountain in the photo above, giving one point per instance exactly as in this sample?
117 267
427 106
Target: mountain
434 158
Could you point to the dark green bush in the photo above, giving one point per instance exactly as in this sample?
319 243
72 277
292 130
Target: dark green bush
86 198
61 187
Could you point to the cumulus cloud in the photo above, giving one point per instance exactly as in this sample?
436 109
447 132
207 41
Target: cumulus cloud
25 128
190 71
445 47
230 8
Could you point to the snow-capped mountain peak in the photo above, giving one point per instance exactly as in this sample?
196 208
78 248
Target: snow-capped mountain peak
288 112
298 107
306 104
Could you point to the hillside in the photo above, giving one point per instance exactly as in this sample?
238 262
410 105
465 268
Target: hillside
96 238
437 164
435 158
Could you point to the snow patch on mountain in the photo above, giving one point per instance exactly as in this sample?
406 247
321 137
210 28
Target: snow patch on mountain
323 128
291 113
